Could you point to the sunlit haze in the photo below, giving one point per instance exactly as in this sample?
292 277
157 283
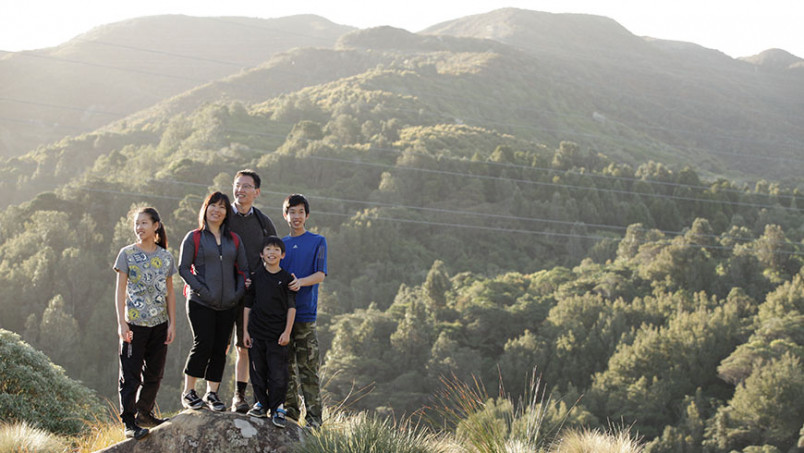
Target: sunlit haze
739 28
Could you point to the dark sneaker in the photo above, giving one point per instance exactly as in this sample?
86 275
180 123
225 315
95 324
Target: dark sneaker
278 420
258 411
133 431
149 420
239 403
190 400
213 402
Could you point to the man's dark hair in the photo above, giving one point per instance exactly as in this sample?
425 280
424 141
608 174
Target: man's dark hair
253 174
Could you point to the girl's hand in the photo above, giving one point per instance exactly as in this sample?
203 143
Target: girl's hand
171 333
125 333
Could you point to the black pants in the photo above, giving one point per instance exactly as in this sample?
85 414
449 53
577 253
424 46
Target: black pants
142 364
212 330
269 372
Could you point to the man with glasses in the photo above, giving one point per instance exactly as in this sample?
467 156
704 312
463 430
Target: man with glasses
252 226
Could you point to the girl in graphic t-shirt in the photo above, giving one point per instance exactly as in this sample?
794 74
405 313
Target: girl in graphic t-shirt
146 320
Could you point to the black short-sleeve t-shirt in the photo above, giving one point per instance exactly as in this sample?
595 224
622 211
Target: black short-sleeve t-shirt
270 304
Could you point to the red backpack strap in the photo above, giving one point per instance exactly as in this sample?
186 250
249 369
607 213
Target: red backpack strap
196 242
236 240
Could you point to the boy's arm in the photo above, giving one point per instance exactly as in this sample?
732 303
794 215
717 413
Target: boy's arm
284 339
246 336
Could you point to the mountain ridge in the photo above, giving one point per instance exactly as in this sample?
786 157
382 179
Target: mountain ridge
117 69
687 103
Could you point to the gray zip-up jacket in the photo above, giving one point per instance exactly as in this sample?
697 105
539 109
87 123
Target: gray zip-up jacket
217 283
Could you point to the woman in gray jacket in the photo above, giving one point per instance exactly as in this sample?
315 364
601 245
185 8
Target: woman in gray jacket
212 265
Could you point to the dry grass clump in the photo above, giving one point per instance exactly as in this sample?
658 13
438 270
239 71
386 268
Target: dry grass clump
20 437
597 441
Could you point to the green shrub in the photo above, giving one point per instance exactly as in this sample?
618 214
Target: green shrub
35 391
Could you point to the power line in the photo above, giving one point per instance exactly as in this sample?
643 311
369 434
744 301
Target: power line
62 107
170 54
116 68
544 183
549 184
469 213
446 224
543 169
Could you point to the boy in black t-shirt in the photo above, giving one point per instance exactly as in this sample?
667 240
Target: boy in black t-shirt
267 324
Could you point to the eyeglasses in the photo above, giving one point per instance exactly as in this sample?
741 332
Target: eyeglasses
243 186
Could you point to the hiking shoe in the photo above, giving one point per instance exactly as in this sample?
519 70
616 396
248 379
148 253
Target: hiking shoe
239 403
257 411
190 400
280 412
133 431
149 420
213 402
278 420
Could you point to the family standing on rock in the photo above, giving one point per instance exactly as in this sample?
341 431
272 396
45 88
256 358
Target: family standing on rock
238 274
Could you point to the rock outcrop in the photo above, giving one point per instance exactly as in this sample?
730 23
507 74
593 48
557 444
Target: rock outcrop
210 432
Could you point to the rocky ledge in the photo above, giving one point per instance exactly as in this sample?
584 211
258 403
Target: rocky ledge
211 432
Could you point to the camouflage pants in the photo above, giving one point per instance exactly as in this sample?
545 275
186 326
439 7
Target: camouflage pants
304 363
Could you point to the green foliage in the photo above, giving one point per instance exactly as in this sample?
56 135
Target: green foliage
436 286
763 409
646 380
464 240
35 391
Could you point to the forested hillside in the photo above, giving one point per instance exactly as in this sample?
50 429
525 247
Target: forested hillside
115 70
482 222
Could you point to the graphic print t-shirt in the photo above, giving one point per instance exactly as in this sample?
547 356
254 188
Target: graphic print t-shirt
146 291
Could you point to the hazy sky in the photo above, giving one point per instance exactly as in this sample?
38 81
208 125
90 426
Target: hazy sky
735 27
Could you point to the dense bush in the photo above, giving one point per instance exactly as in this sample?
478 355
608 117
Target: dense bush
34 390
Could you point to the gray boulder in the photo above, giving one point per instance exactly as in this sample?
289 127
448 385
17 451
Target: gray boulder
210 432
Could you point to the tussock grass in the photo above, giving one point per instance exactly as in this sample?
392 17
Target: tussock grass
104 432
484 424
364 433
20 437
596 441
